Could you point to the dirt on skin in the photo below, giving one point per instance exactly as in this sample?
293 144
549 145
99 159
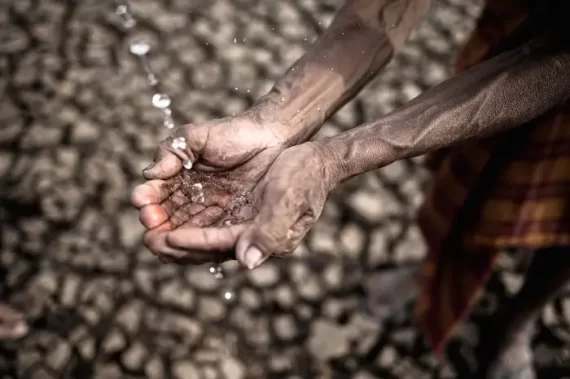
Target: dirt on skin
214 190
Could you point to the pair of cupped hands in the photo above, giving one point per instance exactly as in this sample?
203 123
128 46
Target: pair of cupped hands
288 185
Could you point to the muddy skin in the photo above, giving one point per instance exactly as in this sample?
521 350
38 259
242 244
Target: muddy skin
215 193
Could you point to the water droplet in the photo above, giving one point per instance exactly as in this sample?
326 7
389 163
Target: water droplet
235 40
161 100
139 48
121 10
196 194
318 109
237 89
332 68
152 79
187 164
179 143
168 123
362 51
129 23
227 223
228 295
248 91
282 98
217 271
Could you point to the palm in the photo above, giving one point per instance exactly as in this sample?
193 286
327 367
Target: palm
263 217
231 156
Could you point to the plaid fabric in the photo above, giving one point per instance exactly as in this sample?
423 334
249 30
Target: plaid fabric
525 204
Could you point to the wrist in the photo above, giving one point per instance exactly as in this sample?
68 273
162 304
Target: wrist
289 117
266 113
349 154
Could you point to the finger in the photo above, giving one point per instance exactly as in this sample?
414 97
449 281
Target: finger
185 213
155 241
176 201
207 217
184 145
201 257
152 216
166 164
151 192
205 239
270 232
220 199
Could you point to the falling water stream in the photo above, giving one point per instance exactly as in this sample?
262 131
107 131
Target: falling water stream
162 101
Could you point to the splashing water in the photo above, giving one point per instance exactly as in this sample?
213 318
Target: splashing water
141 50
162 101
229 295
217 271
179 143
197 195
187 164
126 17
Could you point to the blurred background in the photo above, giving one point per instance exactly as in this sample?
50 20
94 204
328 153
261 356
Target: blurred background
76 129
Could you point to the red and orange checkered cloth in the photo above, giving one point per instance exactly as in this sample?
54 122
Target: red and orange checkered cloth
527 205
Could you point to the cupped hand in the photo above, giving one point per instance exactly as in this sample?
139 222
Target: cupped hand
287 200
229 156
247 143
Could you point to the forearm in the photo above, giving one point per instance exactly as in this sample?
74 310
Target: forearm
360 41
490 98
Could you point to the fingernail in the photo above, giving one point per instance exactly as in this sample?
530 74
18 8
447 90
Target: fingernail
253 257
150 166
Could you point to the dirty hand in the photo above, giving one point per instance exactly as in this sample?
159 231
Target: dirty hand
248 142
289 199
244 146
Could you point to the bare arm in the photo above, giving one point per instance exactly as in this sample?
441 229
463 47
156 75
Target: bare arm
360 41
507 91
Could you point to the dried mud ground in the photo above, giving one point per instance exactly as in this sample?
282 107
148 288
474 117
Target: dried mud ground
76 128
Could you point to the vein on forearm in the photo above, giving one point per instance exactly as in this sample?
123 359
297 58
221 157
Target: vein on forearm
490 98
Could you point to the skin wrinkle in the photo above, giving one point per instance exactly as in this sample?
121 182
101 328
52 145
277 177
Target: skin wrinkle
487 99
448 113
329 75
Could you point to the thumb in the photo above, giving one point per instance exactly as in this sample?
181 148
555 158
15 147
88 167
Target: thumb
273 230
181 146
165 166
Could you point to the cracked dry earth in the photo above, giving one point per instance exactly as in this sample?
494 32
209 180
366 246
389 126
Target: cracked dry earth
76 130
